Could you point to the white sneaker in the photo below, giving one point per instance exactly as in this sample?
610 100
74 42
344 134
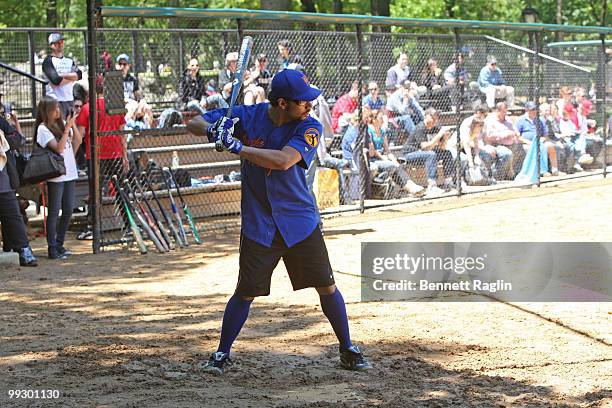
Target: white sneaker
577 167
434 191
585 159
414 189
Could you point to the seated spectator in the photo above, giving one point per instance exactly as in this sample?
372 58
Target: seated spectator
565 98
594 144
501 143
405 108
437 90
139 113
14 235
169 118
493 85
527 127
457 78
130 82
429 138
565 153
349 138
372 100
191 85
576 140
399 73
344 107
471 140
381 159
228 74
260 75
252 92
286 55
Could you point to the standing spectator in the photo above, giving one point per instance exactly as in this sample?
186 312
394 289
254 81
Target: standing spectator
433 80
130 82
493 85
502 142
344 107
429 138
405 108
286 55
63 138
372 100
14 236
191 85
62 72
260 74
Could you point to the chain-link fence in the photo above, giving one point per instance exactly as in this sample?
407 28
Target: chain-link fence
446 109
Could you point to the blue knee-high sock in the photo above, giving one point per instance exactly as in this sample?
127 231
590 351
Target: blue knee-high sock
334 309
236 313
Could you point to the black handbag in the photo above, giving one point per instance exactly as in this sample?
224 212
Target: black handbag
43 165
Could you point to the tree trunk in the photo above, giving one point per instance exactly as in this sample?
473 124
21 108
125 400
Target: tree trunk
604 9
51 13
308 6
559 19
282 5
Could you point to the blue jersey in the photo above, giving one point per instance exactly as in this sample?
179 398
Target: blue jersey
275 199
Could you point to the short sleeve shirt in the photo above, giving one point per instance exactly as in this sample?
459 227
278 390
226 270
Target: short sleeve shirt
43 137
275 199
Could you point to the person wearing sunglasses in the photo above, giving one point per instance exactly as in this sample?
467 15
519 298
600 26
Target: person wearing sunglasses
493 85
373 100
130 82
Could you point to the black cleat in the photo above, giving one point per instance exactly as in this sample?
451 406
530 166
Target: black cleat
352 359
217 363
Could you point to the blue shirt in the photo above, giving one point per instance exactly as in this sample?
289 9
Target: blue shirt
488 77
275 199
348 140
527 127
373 104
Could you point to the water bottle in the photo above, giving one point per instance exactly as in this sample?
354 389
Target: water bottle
175 160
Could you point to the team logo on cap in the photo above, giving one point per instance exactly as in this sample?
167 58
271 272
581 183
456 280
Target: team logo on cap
312 137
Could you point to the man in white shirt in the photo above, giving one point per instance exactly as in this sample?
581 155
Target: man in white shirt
62 72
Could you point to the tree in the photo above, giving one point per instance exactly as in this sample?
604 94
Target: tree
51 13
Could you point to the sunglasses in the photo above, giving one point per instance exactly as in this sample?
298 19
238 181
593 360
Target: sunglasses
78 106
123 64
373 89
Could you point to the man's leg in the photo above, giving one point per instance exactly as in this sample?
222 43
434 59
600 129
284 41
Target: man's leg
333 307
502 166
490 95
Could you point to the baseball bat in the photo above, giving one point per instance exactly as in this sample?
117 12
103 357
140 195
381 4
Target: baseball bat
243 63
175 212
186 212
143 222
162 210
156 220
126 206
138 202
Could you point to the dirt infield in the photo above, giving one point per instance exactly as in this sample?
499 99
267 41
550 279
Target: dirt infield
124 330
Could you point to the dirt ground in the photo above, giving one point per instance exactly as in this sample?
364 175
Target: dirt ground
125 330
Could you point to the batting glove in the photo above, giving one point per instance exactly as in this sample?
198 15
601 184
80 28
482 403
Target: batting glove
225 133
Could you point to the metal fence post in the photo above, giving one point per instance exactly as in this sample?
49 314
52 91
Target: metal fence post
537 81
359 143
31 52
458 175
94 167
604 87
136 61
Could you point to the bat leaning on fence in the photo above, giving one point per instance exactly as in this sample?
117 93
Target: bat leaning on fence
186 212
177 216
243 63
162 210
156 220
129 214
146 225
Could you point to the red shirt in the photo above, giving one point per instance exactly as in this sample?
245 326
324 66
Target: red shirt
111 146
344 104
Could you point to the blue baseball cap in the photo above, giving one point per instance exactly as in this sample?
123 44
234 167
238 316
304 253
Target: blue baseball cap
123 57
530 105
293 84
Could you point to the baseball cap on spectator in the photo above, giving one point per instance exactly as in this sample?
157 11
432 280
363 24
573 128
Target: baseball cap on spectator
530 105
124 57
492 60
292 84
55 37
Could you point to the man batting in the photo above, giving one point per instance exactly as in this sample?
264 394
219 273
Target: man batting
277 141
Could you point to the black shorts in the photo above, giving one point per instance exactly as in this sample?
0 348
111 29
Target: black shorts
307 263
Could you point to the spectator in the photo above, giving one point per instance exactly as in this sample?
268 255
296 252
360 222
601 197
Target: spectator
112 147
260 74
493 85
457 78
14 235
382 160
65 139
130 82
594 144
565 98
169 118
437 90
610 127
80 153
429 138
405 108
471 140
191 85
344 107
398 73
286 55
228 74
62 73
139 113
527 126
349 138
565 152
502 143
252 92
372 100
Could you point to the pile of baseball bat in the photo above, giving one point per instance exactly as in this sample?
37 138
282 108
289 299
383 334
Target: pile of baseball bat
148 219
